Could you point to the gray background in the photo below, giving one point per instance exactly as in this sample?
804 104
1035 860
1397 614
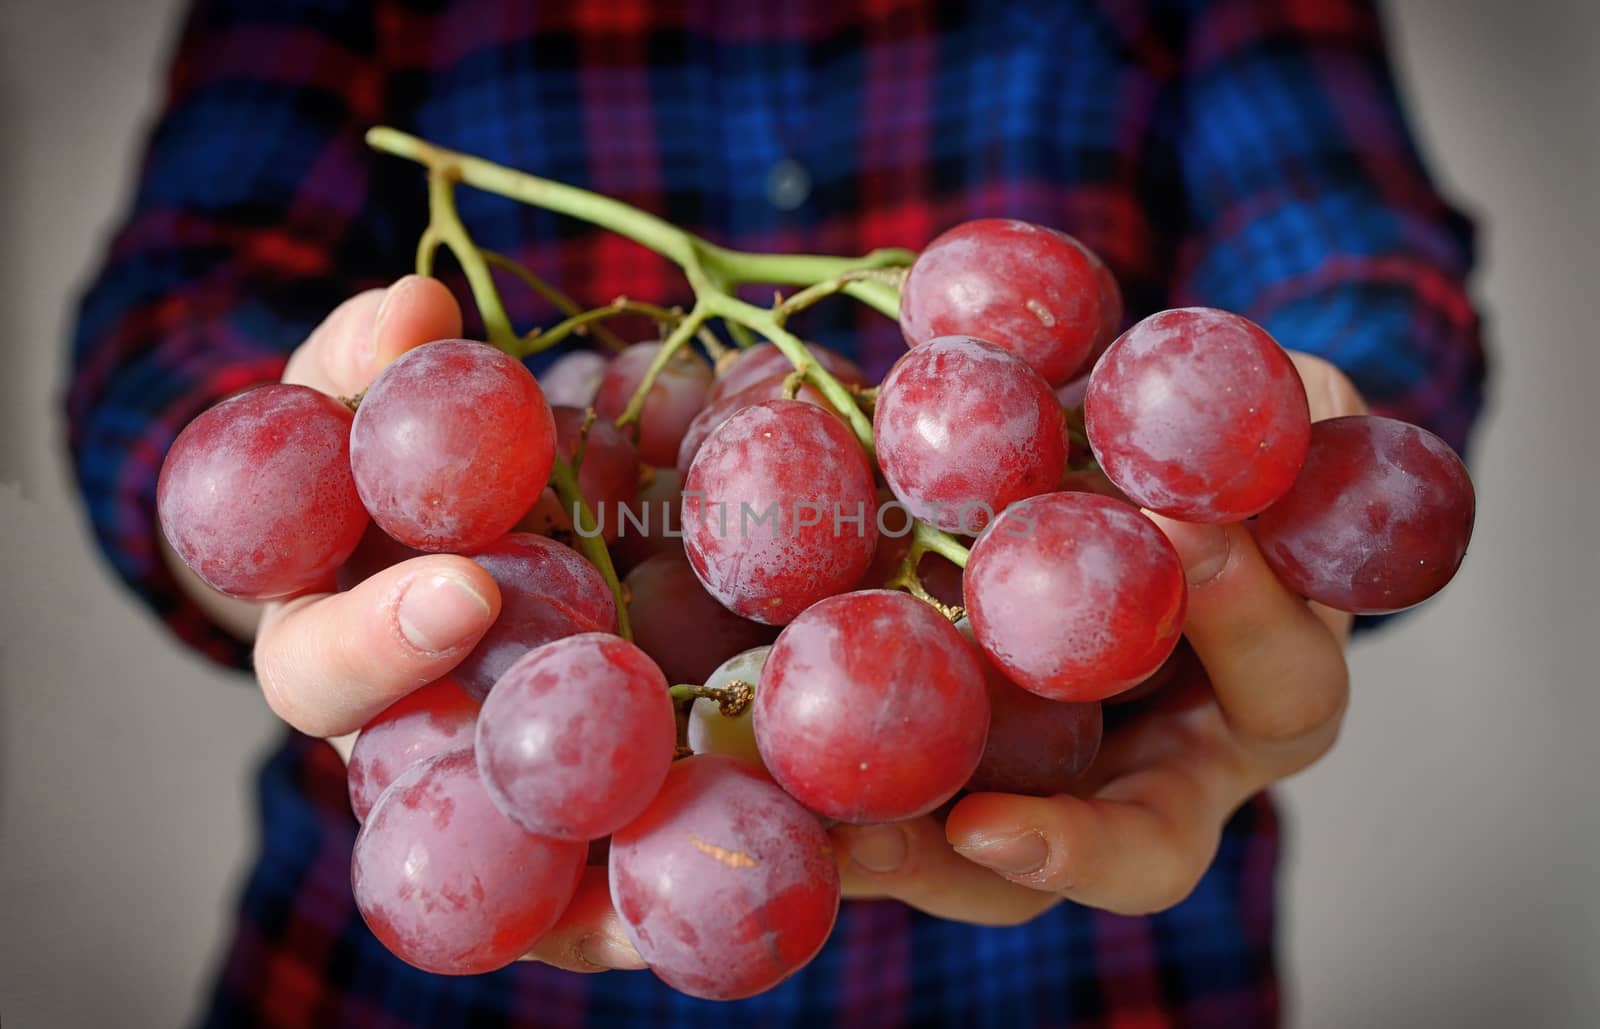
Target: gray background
1440 859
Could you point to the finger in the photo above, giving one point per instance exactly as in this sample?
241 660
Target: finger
1329 392
329 662
588 937
1140 845
1277 670
353 344
913 862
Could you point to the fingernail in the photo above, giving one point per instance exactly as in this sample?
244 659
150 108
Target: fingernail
609 952
1012 855
1203 549
379 320
440 612
878 848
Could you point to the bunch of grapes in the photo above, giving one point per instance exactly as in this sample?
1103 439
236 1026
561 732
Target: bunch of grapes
866 599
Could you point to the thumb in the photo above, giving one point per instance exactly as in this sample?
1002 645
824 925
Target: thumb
358 340
328 662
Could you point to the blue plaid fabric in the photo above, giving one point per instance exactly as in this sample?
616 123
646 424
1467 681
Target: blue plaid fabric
1245 154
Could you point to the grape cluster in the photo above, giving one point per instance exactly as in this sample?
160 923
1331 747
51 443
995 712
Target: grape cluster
816 622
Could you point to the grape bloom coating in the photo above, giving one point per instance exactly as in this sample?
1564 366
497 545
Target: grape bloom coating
725 885
256 494
871 708
1199 415
1075 596
451 446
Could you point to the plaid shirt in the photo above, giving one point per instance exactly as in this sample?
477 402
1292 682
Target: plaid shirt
1244 155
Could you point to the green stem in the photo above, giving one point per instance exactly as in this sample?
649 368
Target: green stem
827 287
680 336
937 541
537 341
761 320
732 697
445 224
557 299
712 264
589 541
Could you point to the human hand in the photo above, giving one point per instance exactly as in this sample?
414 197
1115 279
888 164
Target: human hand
328 662
1145 824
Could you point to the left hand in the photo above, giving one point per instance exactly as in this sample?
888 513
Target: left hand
1147 820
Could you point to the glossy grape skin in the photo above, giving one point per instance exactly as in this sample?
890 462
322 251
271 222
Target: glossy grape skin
725 885
717 411
652 523
681 626
608 476
712 732
256 495
1378 520
872 708
447 882
451 446
432 719
963 429
764 360
787 462
674 398
547 592
575 738
1199 415
1075 596
1035 746
573 379
1032 290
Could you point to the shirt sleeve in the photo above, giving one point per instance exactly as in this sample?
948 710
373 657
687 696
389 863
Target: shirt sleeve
1307 207
248 224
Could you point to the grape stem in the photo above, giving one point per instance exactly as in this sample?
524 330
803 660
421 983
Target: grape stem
732 698
589 541
559 300
926 539
713 271
579 323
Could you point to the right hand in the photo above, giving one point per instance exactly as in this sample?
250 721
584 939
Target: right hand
328 662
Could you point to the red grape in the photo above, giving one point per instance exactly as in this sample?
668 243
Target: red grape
674 398
779 510
547 591
717 411
680 625
608 476
965 428
1035 746
430 720
576 737
651 524
1378 520
1033 290
764 360
256 494
573 379
712 732
725 885
871 708
1075 596
1199 415
451 445
447 882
